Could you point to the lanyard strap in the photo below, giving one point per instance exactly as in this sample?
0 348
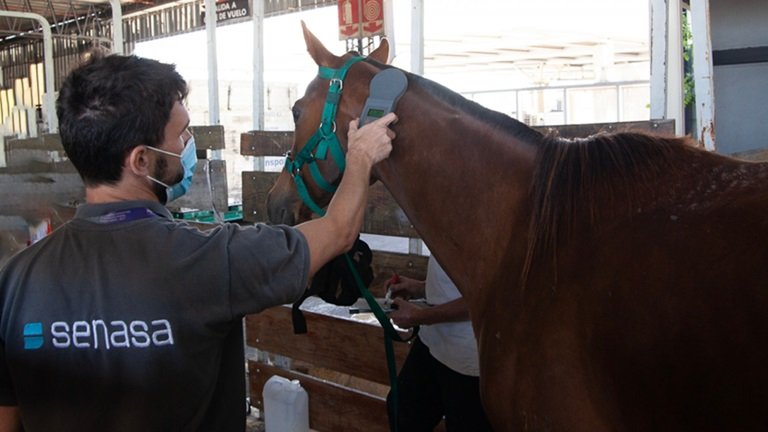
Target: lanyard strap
120 216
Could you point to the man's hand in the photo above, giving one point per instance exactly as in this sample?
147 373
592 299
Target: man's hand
336 232
405 314
373 142
406 288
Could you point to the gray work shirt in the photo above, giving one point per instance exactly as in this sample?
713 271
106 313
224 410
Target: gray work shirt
135 323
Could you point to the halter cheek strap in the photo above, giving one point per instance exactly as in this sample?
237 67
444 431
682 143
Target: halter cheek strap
323 140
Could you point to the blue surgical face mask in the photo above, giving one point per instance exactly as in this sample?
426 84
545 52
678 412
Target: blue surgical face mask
188 158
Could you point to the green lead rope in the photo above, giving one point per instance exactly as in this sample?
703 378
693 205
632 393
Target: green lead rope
390 334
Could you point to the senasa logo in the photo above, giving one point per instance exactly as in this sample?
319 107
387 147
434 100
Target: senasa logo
33 335
100 334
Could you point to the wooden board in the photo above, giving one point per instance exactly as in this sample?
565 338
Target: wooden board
760 155
265 143
276 143
46 148
350 347
208 137
35 167
49 142
382 216
331 407
256 186
25 189
32 195
658 127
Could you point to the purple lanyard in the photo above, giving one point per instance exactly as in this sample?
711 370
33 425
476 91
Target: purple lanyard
128 215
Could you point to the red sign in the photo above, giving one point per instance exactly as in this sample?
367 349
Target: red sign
360 18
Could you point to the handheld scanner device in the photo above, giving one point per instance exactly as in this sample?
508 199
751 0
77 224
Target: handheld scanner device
385 90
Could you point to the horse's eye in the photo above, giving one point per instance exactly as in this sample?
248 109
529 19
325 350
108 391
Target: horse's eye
296 113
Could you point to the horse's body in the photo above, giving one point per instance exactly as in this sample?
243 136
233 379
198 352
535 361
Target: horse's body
614 283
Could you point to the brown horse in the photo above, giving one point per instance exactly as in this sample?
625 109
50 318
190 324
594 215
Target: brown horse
615 283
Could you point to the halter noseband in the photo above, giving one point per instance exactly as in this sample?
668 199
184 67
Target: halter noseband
323 140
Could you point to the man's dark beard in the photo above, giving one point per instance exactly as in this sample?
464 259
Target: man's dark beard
161 167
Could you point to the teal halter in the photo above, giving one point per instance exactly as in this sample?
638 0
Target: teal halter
323 140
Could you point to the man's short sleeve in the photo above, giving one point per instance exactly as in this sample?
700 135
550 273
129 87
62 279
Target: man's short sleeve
269 266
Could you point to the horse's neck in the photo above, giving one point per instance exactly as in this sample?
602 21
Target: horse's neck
464 186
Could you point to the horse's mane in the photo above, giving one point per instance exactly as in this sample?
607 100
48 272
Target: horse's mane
468 107
597 178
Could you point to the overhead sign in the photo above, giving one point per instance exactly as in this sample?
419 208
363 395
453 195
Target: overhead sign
232 9
360 18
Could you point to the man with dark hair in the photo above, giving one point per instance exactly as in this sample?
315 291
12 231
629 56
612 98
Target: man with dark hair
124 319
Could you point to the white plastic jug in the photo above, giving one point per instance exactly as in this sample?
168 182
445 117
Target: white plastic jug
286 406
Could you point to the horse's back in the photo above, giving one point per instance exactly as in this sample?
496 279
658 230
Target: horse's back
654 321
679 313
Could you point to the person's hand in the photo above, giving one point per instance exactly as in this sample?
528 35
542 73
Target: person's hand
373 141
405 288
405 314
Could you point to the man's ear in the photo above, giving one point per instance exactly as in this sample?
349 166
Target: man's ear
138 161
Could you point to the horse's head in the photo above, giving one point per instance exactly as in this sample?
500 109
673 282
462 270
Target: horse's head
315 163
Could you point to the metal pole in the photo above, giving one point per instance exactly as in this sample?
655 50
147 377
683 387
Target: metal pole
258 65
415 246
389 28
417 37
658 13
50 102
675 108
258 74
213 74
117 27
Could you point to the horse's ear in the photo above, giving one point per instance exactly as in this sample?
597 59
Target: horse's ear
317 50
381 53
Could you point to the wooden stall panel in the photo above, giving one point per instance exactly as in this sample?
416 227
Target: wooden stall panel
45 149
346 346
208 137
276 143
657 127
760 155
382 216
34 194
331 407
265 143
256 185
